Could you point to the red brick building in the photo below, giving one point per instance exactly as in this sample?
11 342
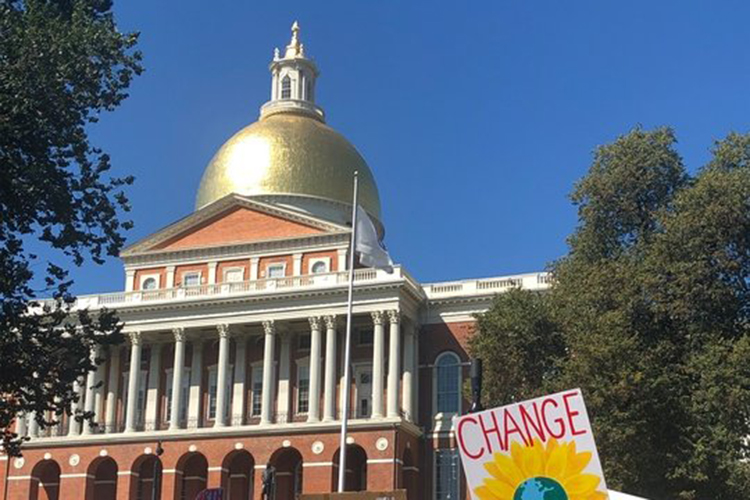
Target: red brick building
235 317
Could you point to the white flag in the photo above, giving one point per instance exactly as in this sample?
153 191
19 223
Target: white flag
372 252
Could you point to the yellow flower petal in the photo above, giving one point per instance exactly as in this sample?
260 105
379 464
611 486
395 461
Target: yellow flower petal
500 489
557 462
504 468
484 493
533 460
581 484
577 463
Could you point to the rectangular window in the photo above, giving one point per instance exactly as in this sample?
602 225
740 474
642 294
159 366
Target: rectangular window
213 377
364 336
303 388
257 390
446 475
303 342
185 395
191 279
276 270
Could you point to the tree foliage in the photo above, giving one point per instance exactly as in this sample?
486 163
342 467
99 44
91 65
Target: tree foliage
650 307
62 63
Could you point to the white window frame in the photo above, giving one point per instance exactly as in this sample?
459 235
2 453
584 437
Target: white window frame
435 473
185 394
318 260
231 270
214 369
356 368
142 279
446 415
256 367
267 270
185 274
302 363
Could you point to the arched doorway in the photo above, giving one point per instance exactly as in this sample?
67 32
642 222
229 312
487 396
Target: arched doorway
237 476
45 481
192 476
288 464
142 477
356 469
409 476
101 483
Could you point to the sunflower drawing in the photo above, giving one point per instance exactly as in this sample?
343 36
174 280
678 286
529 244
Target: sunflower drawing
536 472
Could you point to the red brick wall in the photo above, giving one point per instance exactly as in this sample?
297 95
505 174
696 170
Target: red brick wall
265 261
332 254
162 272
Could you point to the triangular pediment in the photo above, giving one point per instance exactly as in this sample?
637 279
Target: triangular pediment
233 220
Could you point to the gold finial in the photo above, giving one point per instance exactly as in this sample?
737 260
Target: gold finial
294 49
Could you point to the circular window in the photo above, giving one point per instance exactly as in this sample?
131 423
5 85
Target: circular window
319 267
149 284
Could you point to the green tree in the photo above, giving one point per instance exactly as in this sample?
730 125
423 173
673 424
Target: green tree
62 63
651 307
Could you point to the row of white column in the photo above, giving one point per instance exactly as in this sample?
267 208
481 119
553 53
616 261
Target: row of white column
321 378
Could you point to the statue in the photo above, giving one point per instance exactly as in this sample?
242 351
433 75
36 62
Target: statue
269 483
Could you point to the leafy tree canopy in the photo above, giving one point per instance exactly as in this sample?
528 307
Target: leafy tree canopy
62 63
649 315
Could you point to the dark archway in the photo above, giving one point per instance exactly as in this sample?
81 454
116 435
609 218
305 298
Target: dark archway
101 481
356 469
142 477
45 481
192 476
288 464
409 476
237 475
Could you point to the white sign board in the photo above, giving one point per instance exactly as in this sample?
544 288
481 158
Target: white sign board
541 449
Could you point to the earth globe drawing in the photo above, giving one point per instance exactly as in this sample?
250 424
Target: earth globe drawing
540 488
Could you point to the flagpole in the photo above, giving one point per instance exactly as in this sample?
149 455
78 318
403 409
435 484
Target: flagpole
347 345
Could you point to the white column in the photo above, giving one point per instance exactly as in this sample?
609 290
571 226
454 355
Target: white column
133 376
313 413
88 405
297 264
378 363
74 428
99 392
196 379
394 363
238 400
269 330
152 394
417 374
221 378
21 424
110 418
129 280
33 425
212 273
254 268
407 379
283 400
329 404
170 277
178 369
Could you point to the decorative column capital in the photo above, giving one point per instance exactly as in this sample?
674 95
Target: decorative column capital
179 334
223 330
330 322
315 323
377 317
135 338
269 327
394 316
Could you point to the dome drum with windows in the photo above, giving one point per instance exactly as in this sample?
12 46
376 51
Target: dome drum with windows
290 157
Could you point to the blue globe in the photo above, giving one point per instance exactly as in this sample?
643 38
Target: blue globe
540 488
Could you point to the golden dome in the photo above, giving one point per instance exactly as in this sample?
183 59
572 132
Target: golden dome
289 154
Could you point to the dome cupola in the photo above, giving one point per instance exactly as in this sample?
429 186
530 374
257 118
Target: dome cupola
290 156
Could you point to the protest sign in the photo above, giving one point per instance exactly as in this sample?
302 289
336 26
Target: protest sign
541 449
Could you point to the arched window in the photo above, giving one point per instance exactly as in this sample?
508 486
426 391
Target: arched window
149 284
319 267
447 383
286 87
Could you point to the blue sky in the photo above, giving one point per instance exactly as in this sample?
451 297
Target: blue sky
476 118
